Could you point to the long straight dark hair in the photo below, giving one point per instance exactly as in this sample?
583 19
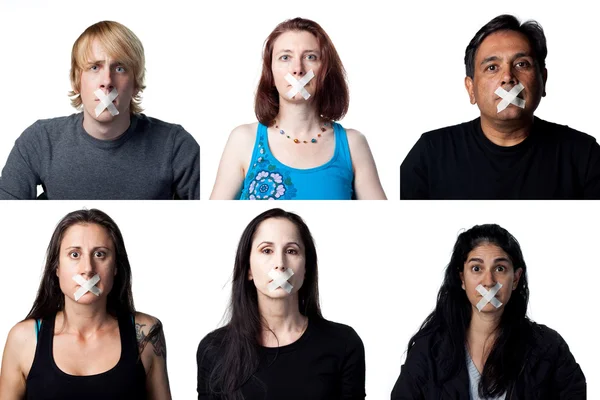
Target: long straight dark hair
50 299
238 358
453 311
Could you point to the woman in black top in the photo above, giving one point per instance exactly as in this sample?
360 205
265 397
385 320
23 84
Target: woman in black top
83 337
478 343
277 345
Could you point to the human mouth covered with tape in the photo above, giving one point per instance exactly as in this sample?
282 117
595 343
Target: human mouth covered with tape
488 278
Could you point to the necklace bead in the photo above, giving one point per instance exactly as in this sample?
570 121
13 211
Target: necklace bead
313 140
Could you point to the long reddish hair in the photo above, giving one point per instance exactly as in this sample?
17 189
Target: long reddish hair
331 97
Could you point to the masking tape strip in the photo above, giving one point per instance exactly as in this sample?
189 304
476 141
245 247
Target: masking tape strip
106 102
488 296
510 97
298 85
86 286
280 280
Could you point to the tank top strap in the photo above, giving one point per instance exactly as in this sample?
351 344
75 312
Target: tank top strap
129 344
42 360
260 144
341 146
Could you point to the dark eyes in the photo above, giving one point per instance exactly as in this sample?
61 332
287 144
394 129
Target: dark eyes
499 268
270 251
97 254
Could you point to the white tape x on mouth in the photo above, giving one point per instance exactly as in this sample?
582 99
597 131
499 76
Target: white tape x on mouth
86 286
106 102
488 296
298 85
280 280
510 97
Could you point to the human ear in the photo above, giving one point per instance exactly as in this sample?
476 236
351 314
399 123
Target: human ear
469 87
518 274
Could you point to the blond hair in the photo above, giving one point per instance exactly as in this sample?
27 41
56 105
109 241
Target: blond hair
120 43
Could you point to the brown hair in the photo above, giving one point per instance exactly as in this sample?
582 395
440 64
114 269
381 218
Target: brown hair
120 43
331 97
50 298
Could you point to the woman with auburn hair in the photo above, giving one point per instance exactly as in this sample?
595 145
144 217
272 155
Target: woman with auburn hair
276 344
296 150
478 343
83 337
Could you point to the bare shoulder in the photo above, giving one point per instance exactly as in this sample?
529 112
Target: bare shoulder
145 319
20 345
22 334
355 139
150 336
244 134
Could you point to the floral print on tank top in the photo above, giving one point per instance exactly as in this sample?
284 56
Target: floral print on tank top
268 181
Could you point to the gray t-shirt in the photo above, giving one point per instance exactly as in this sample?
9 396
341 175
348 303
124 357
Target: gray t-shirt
152 159
474 378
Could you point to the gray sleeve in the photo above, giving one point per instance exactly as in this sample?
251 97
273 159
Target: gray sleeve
21 175
186 166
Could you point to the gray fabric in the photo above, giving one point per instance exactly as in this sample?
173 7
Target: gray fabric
474 378
151 160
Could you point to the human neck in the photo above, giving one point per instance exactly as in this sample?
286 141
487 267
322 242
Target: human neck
83 320
483 326
506 133
300 120
106 130
280 317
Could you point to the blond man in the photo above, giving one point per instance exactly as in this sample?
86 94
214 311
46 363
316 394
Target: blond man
110 150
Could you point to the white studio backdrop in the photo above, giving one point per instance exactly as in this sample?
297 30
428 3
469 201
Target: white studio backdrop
380 267
404 63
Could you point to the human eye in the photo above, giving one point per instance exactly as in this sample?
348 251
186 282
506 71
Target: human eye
120 69
99 254
74 254
523 64
266 250
94 67
500 268
284 57
475 268
491 68
292 251
311 57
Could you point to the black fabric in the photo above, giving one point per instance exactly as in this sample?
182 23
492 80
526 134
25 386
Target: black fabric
460 162
549 371
326 363
127 380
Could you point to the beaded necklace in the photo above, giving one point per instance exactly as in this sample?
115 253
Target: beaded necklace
313 140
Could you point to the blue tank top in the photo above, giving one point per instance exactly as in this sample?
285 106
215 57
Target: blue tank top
269 179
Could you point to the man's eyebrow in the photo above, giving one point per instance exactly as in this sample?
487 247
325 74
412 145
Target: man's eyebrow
522 54
489 59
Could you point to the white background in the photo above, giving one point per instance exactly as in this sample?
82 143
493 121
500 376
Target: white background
404 63
381 263
380 267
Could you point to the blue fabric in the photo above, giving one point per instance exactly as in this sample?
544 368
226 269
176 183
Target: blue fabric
268 179
38 324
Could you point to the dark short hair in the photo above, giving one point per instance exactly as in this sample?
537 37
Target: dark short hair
531 29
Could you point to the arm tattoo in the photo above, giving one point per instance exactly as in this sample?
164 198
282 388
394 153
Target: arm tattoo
155 336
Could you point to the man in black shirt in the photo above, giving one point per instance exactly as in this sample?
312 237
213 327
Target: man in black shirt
506 153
